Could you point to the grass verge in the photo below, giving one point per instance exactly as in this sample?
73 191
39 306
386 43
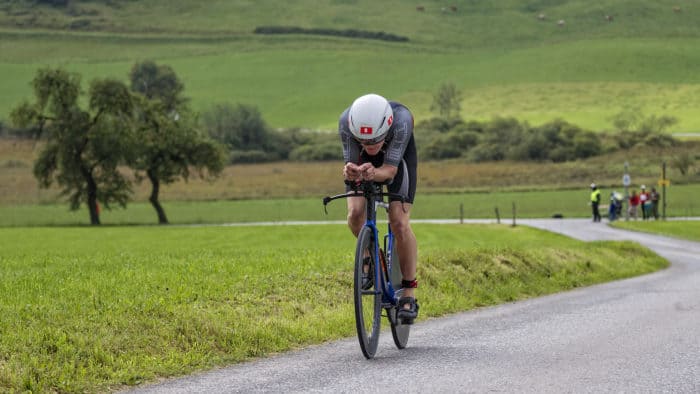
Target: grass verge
96 309
529 204
680 229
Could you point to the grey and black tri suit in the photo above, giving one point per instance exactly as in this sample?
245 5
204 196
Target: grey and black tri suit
399 150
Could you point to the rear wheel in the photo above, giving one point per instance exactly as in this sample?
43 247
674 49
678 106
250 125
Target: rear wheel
399 331
367 302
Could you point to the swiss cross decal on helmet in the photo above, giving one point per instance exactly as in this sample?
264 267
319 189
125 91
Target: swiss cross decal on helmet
370 117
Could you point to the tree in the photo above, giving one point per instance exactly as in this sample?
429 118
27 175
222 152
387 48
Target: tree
169 144
446 102
157 82
84 147
242 129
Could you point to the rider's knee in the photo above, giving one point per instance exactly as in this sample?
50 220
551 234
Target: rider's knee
401 227
354 214
355 218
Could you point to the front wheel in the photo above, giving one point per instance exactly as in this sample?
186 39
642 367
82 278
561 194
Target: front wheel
368 300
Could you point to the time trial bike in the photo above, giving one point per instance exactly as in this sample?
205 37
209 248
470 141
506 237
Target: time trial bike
377 276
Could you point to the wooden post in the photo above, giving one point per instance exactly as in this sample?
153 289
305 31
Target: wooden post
498 216
461 213
513 213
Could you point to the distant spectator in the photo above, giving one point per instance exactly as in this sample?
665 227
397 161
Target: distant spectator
615 207
644 202
655 197
634 203
595 202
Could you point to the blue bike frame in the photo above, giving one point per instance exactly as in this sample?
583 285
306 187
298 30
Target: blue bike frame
383 293
389 295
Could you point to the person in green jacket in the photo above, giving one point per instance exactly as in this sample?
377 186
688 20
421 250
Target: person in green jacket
595 201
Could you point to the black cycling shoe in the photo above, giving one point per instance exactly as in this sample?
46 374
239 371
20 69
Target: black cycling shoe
367 277
407 316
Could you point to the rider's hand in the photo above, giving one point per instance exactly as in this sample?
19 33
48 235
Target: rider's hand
351 171
367 171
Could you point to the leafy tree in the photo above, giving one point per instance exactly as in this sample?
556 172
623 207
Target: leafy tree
499 137
657 124
54 3
313 145
683 162
157 82
169 145
242 129
446 102
635 121
84 147
586 144
534 146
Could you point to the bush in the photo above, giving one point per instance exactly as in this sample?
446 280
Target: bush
660 141
454 144
683 163
586 144
351 33
251 156
319 152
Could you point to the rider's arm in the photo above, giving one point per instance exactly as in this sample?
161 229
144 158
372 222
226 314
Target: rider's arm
384 173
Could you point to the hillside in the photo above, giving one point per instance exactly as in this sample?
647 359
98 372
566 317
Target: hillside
507 60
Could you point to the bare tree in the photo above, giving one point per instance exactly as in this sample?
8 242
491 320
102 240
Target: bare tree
447 101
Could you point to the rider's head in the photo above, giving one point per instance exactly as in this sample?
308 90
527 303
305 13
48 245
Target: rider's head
370 118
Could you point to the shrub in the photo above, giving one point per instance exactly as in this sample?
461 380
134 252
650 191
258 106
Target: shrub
350 33
683 163
319 152
251 156
586 144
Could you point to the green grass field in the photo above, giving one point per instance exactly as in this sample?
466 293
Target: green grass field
92 310
88 309
678 229
529 204
586 72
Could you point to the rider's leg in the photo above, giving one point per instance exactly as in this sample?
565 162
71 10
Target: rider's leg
406 246
356 219
356 214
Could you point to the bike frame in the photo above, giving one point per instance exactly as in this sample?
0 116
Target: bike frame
389 295
374 196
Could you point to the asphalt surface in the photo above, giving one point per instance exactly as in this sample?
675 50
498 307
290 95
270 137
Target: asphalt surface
637 335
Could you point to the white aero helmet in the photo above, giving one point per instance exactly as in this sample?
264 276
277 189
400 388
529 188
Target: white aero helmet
370 117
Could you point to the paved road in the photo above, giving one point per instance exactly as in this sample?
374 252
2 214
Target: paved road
636 335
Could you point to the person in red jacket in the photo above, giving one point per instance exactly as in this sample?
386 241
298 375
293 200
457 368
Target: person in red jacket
634 203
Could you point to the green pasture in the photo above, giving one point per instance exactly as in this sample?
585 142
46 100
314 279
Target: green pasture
97 309
306 83
688 229
475 24
681 201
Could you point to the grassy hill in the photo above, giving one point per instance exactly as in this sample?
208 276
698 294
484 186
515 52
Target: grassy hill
506 60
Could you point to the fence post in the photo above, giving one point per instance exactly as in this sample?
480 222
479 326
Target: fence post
498 216
461 213
513 213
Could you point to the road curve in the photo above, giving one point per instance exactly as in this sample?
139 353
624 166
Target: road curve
635 335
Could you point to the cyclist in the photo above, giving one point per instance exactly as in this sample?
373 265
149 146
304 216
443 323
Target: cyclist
378 145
